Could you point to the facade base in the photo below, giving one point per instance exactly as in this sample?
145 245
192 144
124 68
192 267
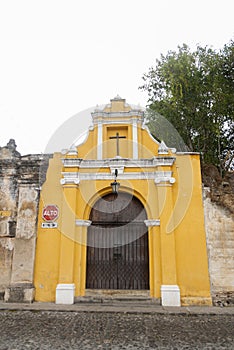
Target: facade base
199 301
19 293
170 295
65 293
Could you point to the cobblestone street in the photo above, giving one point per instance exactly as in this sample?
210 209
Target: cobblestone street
92 330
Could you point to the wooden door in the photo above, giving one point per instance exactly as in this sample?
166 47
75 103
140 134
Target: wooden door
117 252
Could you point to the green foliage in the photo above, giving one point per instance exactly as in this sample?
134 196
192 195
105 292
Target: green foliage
193 90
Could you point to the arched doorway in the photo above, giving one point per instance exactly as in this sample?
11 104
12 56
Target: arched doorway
117 244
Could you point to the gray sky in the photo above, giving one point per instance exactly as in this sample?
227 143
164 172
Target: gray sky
58 58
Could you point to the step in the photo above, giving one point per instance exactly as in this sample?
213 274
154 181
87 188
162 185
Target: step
117 292
117 297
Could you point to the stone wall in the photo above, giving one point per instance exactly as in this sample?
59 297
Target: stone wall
20 181
219 223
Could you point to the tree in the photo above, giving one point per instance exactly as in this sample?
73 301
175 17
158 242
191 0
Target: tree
194 91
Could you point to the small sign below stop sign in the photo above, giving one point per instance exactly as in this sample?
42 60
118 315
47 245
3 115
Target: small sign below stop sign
50 213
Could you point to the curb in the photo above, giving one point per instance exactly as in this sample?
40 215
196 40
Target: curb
118 308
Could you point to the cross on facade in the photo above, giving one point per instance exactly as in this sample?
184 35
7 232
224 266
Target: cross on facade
117 137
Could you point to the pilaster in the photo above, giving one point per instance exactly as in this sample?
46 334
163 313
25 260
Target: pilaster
65 289
99 140
67 243
170 293
134 139
80 255
154 256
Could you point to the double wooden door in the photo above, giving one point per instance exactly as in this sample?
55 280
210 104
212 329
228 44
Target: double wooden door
117 244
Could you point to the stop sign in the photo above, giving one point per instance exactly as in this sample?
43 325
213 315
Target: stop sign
50 213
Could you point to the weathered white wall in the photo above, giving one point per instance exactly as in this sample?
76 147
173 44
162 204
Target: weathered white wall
23 257
6 254
20 179
219 223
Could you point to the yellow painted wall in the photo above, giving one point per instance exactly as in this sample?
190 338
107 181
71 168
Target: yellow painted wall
191 252
48 241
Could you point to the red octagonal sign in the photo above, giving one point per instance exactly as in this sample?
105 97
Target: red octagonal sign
50 212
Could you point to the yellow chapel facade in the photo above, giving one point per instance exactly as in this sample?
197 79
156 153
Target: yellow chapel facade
122 212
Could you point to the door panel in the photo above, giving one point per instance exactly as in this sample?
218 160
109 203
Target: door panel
117 253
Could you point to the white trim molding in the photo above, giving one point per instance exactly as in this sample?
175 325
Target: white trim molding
170 295
120 169
80 222
157 176
119 117
163 149
72 151
114 162
70 180
158 179
152 222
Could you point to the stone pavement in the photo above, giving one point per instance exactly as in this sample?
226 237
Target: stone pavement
114 326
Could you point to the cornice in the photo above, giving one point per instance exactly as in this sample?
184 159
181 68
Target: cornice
152 222
118 161
80 222
122 114
70 178
160 179
158 176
